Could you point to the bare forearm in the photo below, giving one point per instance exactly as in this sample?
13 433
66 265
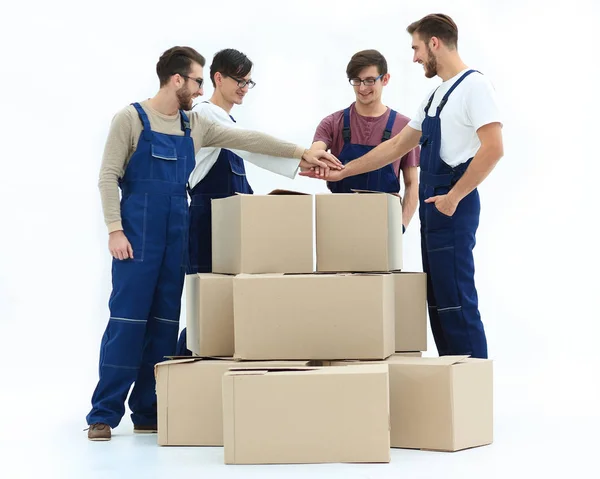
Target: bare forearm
481 166
409 203
386 153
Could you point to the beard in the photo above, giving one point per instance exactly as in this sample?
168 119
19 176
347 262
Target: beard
184 96
430 64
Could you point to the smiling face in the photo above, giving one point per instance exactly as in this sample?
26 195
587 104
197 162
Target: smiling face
190 88
230 89
424 55
369 94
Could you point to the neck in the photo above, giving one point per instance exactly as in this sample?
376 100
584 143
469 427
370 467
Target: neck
450 67
164 102
218 99
373 109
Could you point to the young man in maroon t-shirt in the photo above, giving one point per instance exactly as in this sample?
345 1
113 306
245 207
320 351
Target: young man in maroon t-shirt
352 132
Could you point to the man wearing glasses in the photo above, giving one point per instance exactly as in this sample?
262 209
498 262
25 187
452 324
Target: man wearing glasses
352 132
220 172
459 128
149 155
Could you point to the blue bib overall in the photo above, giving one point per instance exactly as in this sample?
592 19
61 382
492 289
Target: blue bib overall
447 244
146 297
383 179
226 178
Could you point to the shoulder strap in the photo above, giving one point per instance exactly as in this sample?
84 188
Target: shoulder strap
185 123
387 133
145 121
346 134
452 88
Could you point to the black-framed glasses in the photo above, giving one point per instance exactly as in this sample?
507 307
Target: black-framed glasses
242 83
366 81
199 81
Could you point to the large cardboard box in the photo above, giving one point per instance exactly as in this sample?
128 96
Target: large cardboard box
189 395
443 404
411 311
263 233
358 232
337 414
209 314
318 316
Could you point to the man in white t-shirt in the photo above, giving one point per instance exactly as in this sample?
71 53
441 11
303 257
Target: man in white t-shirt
459 128
220 172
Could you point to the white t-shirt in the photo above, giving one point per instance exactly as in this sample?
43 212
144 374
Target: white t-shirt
207 157
470 106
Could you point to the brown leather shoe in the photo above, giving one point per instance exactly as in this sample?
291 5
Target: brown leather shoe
99 432
145 429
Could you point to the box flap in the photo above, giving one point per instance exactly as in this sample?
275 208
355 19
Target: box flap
379 192
268 369
450 360
286 192
425 361
190 359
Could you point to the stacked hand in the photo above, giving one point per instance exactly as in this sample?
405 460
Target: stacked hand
319 164
331 175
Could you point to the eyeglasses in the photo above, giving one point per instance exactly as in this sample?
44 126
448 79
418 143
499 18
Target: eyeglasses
242 83
366 81
199 81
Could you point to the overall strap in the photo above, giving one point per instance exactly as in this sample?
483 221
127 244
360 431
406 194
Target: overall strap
387 133
145 121
445 99
185 123
346 131
429 102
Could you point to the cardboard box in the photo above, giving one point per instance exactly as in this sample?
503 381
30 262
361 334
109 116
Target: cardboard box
442 404
263 233
189 395
318 316
411 311
209 314
337 414
358 232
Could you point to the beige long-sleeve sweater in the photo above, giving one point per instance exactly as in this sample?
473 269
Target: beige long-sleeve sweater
125 131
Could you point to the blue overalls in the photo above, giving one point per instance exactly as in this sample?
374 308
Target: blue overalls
226 178
146 298
383 179
447 244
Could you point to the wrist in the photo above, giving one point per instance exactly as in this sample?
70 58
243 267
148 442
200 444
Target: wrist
453 197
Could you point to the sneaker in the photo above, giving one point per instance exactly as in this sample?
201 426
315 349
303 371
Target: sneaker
99 432
145 429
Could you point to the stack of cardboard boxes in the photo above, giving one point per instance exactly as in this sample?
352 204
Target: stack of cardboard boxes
297 365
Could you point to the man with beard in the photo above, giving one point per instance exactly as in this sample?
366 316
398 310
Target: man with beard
354 131
459 128
150 154
220 172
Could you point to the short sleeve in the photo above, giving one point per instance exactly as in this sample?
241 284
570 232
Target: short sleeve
482 105
324 131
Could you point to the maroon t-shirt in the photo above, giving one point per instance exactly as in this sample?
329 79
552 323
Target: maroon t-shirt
365 130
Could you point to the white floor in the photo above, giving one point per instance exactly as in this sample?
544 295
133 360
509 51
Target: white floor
525 446
538 433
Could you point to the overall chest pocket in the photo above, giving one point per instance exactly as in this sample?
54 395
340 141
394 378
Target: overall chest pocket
239 183
167 164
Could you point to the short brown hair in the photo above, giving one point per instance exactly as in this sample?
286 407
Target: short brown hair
177 60
436 25
364 59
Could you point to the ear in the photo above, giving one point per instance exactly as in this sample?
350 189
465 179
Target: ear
434 43
218 79
177 81
385 79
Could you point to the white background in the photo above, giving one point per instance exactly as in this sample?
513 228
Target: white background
67 67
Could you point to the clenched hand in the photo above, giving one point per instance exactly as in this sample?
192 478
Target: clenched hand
119 246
